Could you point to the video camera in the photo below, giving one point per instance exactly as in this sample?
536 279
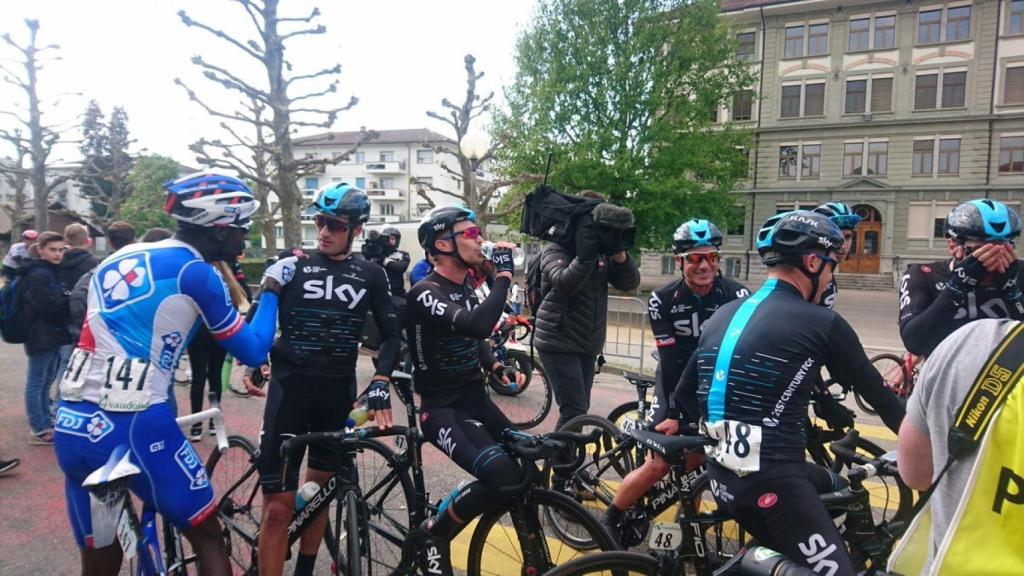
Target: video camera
375 246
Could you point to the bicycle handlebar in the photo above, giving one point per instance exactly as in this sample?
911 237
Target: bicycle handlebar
844 448
213 414
530 448
340 437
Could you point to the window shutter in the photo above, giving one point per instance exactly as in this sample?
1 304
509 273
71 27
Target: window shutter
881 94
1014 88
924 91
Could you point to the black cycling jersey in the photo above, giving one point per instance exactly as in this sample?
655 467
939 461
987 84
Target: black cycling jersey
928 313
321 315
677 316
447 328
752 375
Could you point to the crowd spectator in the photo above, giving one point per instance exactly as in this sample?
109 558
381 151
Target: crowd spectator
77 262
48 314
18 253
420 270
517 299
156 235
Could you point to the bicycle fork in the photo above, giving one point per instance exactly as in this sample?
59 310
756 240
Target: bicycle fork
532 543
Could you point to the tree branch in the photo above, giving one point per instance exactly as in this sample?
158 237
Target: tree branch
219 34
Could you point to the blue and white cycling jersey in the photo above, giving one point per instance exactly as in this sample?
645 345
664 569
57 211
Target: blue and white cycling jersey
145 303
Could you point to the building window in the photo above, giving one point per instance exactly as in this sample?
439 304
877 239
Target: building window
788 158
312 184
856 96
668 265
878 158
924 91
387 156
794 41
949 156
791 101
360 182
713 116
308 233
860 34
929 27
924 150
817 39
746 47
279 232
743 105
387 182
809 40
424 156
1013 86
810 163
885 31
958 23
360 157
1011 155
881 95
1017 17
814 99
803 100
853 158
928 220
387 209
952 86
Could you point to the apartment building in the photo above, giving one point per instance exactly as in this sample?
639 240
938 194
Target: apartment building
901 109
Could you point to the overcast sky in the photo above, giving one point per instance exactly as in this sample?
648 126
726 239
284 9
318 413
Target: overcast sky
398 57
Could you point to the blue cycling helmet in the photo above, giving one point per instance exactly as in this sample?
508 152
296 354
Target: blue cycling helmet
343 199
840 214
693 233
441 219
791 234
210 199
985 220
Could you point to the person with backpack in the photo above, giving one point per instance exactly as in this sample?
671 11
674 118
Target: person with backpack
17 254
78 261
44 307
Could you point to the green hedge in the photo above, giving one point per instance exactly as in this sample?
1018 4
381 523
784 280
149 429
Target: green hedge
253 268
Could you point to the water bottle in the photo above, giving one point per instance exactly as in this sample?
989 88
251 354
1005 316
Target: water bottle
359 415
305 494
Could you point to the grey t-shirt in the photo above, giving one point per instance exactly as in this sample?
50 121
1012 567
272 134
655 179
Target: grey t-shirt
944 383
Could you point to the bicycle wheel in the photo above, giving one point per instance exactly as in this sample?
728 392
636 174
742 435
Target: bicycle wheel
724 537
233 477
625 416
891 499
495 547
528 405
616 562
890 366
348 526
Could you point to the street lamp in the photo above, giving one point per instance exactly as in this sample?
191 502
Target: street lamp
473 147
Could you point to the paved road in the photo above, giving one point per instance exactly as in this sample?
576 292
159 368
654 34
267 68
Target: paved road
34 532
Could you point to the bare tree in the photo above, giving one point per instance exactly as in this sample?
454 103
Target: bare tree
475 195
35 137
284 111
17 180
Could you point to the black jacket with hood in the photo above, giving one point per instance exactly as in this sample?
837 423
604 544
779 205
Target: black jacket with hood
47 305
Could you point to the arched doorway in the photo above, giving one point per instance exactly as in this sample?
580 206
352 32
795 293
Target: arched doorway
866 251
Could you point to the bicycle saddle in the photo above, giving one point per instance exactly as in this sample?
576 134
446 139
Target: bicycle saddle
670 447
638 380
119 465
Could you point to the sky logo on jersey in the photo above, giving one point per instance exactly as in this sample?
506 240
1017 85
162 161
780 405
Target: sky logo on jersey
125 280
172 342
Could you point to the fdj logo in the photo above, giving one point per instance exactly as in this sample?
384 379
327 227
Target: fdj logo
435 306
172 342
189 463
344 293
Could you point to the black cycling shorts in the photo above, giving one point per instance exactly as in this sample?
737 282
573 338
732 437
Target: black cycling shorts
299 404
782 509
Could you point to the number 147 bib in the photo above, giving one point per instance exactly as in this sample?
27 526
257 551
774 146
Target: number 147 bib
739 445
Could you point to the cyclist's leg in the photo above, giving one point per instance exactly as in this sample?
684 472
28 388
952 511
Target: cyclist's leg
639 481
198 360
215 367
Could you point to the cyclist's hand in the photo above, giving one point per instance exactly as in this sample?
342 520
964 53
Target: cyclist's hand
502 258
281 272
250 385
966 275
378 403
668 427
992 257
506 375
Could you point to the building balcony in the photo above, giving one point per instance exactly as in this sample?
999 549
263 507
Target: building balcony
385 194
395 167
384 219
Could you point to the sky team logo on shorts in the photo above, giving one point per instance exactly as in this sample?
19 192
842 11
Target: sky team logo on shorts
125 280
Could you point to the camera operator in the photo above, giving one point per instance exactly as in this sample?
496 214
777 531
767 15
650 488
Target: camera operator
381 247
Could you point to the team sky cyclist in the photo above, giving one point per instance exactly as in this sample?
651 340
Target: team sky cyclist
447 328
677 313
145 303
840 215
981 280
313 366
750 382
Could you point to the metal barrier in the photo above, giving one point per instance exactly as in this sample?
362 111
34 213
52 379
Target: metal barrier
627 332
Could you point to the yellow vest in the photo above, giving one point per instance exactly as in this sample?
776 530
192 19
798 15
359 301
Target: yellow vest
986 535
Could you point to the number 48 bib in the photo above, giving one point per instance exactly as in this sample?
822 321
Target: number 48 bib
739 445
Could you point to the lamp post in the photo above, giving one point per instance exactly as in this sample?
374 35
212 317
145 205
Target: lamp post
473 146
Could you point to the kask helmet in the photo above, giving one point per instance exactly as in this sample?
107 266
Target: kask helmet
840 214
695 232
790 234
388 231
210 199
342 199
983 219
441 219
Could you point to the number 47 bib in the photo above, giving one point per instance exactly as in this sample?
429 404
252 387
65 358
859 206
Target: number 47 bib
739 445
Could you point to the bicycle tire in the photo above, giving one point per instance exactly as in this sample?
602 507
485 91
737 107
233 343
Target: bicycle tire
884 364
494 537
625 410
615 562
529 405
241 502
347 516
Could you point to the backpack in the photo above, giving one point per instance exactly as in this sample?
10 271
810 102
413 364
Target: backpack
534 292
15 319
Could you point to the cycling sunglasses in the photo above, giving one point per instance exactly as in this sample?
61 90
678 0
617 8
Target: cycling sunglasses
471 233
695 258
331 224
829 260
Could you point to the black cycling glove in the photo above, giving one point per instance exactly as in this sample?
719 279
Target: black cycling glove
378 396
965 277
502 259
1007 282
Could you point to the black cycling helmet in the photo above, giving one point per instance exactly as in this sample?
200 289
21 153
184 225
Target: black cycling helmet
985 220
792 234
342 199
441 219
391 231
840 214
693 233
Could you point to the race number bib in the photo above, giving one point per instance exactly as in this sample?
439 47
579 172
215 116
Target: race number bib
739 445
126 384
74 377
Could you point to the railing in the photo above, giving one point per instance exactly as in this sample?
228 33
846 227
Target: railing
628 332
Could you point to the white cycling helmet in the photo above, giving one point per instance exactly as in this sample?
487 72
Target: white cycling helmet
210 199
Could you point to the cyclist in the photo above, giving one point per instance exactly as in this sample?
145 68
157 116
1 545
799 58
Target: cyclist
313 366
840 215
145 302
750 382
448 329
677 312
981 280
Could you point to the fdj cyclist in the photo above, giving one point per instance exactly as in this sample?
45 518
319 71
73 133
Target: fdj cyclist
313 365
982 280
145 302
677 313
840 215
447 330
750 381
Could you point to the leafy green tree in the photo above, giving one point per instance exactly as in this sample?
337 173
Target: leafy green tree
106 163
144 209
622 94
